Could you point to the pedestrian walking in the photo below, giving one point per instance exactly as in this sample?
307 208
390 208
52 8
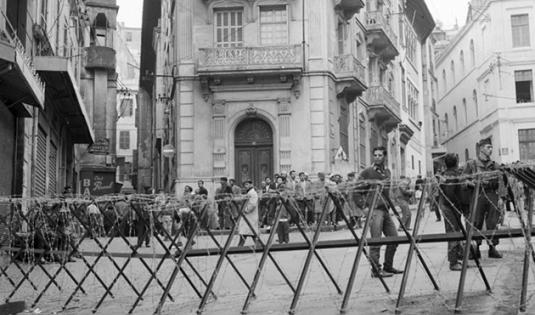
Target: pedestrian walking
250 212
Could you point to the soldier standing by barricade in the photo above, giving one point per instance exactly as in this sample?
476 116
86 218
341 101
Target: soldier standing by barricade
487 204
451 205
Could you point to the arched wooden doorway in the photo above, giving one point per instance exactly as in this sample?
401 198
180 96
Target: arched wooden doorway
253 140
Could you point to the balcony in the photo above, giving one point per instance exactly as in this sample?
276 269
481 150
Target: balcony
62 90
383 107
100 57
381 38
350 76
20 82
254 60
348 7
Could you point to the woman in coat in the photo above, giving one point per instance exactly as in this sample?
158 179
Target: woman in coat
250 211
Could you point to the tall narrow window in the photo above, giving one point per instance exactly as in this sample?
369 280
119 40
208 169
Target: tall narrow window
452 70
474 97
520 29
524 86
472 53
466 155
465 109
344 126
403 89
444 82
363 138
447 123
341 37
229 28
124 140
412 161
461 61
44 13
455 118
273 25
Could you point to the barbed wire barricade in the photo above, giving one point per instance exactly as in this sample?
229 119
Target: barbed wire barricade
96 244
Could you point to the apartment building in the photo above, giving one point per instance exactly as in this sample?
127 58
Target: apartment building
261 87
486 82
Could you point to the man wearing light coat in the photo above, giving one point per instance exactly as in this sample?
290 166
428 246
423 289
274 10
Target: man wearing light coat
250 211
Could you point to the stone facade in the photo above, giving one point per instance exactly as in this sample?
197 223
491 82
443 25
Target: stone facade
306 89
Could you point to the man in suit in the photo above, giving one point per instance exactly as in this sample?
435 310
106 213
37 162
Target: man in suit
381 221
304 198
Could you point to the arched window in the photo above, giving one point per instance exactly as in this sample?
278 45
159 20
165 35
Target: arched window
452 69
444 81
461 60
455 118
465 109
474 97
99 31
472 53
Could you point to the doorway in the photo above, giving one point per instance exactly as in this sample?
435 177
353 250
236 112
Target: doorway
253 140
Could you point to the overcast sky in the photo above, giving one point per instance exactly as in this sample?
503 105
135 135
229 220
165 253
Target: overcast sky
446 11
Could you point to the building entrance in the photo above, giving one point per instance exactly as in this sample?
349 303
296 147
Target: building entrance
253 141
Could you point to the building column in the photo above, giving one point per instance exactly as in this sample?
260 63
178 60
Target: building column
185 130
285 151
219 147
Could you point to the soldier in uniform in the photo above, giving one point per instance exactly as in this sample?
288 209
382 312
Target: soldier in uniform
487 204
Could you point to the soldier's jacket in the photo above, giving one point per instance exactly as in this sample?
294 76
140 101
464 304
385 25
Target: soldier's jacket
490 182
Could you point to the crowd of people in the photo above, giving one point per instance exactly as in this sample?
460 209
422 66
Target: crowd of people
67 219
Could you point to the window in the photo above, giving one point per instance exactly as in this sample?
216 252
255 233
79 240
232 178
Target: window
447 123
412 161
413 96
524 86
273 25
461 60
444 81
474 97
466 155
229 28
124 140
128 36
65 40
100 30
452 70
520 29
341 35
526 140
401 30
412 43
419 167
344 126
455 118
362 140
403 89
465 109
472 53
126 109
44 13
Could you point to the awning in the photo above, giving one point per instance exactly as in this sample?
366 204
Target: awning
419 16
62 89
19 83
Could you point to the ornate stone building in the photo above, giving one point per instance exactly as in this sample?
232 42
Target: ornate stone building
261 87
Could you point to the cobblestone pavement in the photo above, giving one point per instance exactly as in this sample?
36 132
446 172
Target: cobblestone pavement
274 297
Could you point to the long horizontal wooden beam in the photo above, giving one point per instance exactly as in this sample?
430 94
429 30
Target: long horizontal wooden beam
198 252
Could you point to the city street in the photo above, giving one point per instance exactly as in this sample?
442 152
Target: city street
274 297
